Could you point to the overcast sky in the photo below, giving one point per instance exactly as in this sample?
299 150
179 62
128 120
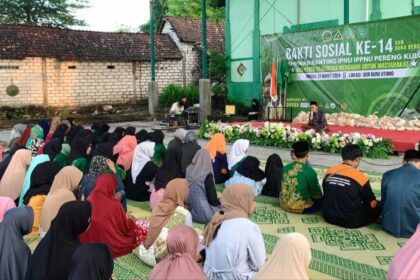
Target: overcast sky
108 15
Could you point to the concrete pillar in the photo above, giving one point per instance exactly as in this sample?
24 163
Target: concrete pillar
44 81
153 94
205 99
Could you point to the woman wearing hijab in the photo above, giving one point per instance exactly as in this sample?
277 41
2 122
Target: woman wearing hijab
59 133
80 149
250 174
230 255
55 123
92 262
51 149
98 166
273 173
73 132
14 253
237 155
189 149
170 212
109 224
40 184
125 150
142 136
181 262
157 136
178 140
12 181
217 149
36 133
171 169
6 203
289 261
405 264
120 130
53 255
16 134
8 158
63 190
45 127
143 171
202 191
255 110
101 130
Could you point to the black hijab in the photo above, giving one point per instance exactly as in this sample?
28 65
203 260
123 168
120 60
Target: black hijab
52 148
142 136
5 162
102 129
78 149
73 132
120 131
92 262
54 253
41 179
157 136
250 168
131 130
60 132
106 149
171 168
255 107
274 174
14 253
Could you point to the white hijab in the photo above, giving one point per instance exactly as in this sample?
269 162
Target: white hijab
238 152
290 259
142 155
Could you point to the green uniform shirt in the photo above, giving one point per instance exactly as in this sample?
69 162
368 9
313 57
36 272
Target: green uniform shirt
299 186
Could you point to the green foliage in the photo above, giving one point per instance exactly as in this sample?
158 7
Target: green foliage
185 8
217 66
56 13
173 93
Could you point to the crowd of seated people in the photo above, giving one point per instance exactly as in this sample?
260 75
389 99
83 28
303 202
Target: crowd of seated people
69 186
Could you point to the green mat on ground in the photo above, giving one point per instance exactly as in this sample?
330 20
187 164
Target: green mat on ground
363 253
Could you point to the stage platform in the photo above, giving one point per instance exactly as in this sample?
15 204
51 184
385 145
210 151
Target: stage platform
401 140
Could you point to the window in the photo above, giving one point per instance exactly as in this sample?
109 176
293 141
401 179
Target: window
110 67
72 67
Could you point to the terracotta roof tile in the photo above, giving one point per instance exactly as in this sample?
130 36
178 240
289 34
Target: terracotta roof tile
189 30
20 41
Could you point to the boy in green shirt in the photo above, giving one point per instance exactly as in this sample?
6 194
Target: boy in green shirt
300 190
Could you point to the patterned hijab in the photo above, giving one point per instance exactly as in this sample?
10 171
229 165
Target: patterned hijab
98 166
237 202
176 194
35 144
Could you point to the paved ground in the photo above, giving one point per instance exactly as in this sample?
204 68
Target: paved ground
316 158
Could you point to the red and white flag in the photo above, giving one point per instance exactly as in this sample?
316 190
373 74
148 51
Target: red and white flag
273 85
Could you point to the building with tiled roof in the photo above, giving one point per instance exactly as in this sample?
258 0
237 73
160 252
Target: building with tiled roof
63 67
186 33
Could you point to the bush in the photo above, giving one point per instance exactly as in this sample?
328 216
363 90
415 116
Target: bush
172 93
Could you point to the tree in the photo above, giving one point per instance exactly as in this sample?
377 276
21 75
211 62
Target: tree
185 8
56 13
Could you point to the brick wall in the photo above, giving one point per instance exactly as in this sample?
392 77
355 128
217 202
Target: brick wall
191 54
54 83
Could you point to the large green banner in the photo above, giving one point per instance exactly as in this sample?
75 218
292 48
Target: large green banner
365 68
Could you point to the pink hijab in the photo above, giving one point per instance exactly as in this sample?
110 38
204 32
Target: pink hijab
182 246
125 150
406 263
6 203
